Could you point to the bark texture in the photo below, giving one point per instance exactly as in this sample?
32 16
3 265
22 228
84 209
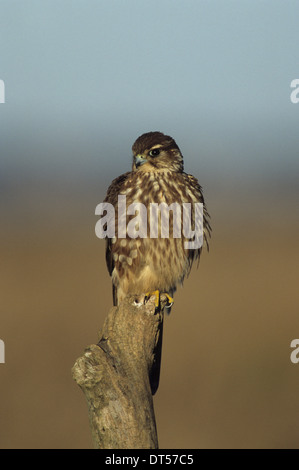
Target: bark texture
116 375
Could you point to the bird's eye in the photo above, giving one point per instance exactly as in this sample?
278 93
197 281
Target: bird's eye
154 152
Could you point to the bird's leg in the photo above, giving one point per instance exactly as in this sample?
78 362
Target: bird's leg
169 300
156 293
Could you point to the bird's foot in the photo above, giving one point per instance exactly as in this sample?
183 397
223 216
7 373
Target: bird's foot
169 300
156 293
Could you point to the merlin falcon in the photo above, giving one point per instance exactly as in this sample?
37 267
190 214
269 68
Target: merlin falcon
145 265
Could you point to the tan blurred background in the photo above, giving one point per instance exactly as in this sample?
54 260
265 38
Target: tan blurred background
82 81
227 379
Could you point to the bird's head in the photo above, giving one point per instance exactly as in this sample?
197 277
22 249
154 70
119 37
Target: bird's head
155 151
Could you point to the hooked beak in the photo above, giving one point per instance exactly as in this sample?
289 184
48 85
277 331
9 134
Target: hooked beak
139 160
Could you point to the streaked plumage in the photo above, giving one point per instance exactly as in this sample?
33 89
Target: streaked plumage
147 264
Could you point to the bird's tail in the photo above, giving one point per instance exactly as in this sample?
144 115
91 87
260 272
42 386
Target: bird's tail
154 374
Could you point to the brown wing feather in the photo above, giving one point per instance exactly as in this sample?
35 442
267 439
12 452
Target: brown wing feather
115 188
111 197
193 184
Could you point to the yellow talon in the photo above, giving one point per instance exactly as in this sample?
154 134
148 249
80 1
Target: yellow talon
170 300
156 293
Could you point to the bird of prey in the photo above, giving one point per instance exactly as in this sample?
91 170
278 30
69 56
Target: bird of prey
153 264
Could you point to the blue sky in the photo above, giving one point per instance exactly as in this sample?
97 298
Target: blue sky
85 78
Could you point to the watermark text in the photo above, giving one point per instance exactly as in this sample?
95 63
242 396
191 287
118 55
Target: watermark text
295 93
2 352
2 92
295 353
153 221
